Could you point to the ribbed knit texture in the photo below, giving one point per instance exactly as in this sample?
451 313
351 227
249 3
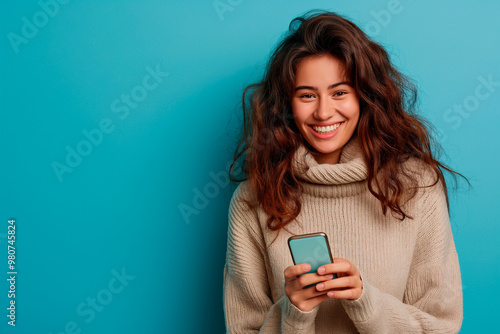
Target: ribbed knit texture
410 270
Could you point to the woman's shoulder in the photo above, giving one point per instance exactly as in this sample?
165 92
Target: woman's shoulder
422 173
243 196
243 215
243 190
422 183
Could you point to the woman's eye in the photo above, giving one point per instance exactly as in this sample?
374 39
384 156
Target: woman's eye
307 96
339 93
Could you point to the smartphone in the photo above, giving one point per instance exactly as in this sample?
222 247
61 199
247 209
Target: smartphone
312 248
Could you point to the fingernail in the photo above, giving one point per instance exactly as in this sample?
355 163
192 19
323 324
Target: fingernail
305 266
320 286
321 270
329 276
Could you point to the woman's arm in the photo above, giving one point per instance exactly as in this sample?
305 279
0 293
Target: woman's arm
433 297
248 307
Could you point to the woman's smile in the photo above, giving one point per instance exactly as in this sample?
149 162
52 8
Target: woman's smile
325 132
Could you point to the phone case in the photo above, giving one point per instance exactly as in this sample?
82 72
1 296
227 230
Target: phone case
312 248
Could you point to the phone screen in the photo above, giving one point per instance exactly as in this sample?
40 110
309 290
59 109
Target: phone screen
310 248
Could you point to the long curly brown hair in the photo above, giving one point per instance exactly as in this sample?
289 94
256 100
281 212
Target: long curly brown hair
389 130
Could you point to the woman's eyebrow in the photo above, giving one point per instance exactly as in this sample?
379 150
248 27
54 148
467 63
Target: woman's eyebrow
329 87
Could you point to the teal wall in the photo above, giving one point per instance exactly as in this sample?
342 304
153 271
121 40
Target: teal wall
117 116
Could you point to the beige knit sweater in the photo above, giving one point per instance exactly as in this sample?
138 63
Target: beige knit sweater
410 270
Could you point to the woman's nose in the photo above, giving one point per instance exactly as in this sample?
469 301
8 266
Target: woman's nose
325 109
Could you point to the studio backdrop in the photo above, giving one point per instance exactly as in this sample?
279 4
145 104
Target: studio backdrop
118 123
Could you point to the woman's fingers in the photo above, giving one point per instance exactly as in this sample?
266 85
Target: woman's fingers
298 282
347 285
292 272
296 277
339 266
339 283
344 294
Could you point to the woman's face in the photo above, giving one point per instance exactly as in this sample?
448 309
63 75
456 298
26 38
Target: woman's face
325 106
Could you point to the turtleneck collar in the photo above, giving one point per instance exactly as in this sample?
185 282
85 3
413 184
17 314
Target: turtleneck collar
346 178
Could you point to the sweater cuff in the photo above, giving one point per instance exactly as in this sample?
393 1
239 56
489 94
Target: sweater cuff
364 308
295 317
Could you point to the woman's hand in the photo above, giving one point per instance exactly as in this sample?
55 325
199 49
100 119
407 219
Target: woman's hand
347 285
304 299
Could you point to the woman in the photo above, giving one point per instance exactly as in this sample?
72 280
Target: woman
331 144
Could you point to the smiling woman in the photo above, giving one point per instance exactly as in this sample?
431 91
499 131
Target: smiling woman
346 155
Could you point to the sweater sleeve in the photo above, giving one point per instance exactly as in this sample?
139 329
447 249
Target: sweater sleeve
248 305
432 301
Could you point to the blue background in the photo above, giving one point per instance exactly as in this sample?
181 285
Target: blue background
120 206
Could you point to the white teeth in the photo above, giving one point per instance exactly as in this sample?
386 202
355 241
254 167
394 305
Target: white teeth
326 129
